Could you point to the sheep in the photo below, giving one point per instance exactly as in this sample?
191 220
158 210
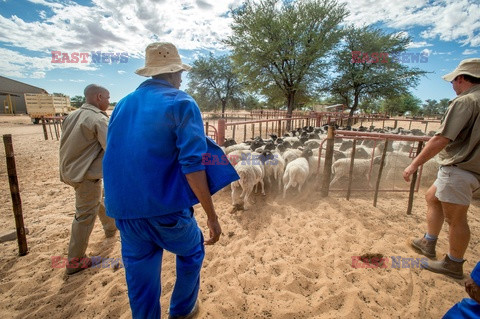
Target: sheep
229 142
297 172
251 172
274 167
290 155
395 164
361 167
240 146
238 155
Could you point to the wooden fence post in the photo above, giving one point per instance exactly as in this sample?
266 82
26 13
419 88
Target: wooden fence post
221 132
327 168
413 182
14 191
45 134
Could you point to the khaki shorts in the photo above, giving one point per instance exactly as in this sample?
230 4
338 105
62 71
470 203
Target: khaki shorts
455 185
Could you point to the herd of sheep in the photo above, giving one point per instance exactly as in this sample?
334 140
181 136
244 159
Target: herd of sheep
289 162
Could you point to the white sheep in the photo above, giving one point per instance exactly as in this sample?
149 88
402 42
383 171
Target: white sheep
274 167
361 168
241 146
297 172
290 155
251 173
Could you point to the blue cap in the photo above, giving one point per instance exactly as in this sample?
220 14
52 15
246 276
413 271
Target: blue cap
476 274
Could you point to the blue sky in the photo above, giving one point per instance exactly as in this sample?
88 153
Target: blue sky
448 31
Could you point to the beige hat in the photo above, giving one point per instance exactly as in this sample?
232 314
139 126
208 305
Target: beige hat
162 57
468 66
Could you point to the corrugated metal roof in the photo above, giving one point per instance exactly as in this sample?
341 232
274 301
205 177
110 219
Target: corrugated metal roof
12 86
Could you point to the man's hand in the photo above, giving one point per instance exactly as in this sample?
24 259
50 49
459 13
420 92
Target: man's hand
409 172
473 290
215 231
198 184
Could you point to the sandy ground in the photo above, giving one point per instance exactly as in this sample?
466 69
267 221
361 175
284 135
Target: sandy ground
287 258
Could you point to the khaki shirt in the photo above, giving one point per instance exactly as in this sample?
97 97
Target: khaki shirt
82 145
461 124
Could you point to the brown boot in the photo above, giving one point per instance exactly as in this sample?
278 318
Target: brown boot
447 267
425 247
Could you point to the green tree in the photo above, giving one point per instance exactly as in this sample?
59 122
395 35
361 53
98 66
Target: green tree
213 79
370 106
77 101
373 76
443 106
430 107
400 104
281 44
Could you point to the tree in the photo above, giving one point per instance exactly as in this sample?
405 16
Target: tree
443 106
77 101
213 79
400 104
370 106
370 75
430 107
281 44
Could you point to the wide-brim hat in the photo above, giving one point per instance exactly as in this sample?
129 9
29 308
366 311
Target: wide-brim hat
160 58
468 66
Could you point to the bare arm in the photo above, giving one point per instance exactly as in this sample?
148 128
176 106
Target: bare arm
198 184
432 148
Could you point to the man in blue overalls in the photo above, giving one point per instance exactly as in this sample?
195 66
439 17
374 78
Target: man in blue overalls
153 175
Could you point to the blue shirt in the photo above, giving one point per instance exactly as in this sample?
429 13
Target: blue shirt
155 137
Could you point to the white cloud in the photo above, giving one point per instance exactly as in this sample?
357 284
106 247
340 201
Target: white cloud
426 52
121 72
38 75
421 44
46 3
19 65
441 53
447 20
197 26
469 52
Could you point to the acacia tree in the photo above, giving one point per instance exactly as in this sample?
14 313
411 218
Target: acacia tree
282 43
77 101
373 77
213 79
399 105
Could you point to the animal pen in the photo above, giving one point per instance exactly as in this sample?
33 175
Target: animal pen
263 128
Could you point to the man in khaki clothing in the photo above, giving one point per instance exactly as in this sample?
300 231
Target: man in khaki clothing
82 147
457 143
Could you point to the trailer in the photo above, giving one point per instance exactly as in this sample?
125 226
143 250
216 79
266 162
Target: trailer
46 105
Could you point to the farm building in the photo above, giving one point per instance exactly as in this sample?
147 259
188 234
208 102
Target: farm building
329 108
12 100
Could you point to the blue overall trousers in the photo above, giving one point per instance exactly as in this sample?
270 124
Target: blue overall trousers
143 242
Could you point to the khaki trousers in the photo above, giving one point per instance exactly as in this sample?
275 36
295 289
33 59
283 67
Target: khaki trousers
88 204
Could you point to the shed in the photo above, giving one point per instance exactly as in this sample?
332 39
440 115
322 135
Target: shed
12 100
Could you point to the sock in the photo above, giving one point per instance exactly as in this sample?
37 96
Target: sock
430 237
455 259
